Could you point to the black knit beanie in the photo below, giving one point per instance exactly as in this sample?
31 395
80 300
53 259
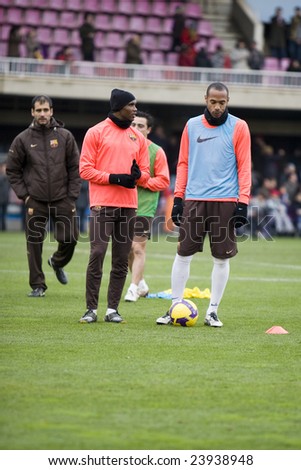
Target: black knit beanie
119 99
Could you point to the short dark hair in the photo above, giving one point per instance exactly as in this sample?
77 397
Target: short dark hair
41 99
217 86
149 118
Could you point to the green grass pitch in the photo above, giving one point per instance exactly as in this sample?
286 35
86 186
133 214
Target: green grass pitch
138 385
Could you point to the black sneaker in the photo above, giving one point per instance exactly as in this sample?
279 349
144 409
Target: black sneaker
113 317
38 292
88 317
59 272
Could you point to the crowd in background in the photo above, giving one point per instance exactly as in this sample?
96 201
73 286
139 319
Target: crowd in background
282 40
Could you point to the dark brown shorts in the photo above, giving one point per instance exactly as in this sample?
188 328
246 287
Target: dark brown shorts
214 218
143 226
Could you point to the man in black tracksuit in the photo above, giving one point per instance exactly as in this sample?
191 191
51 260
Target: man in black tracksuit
42 168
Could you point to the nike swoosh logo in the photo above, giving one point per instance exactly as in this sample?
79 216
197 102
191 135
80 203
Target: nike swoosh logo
228 252
200 140
33 145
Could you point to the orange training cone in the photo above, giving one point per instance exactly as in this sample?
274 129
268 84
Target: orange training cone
277 330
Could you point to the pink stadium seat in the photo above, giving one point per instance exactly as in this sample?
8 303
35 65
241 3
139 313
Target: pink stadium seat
91 5
113 40
99 39
50 18
14 16
212 44
107 55
149 42
42 4
153 25
159 8
285 63
75 38
1 15
137 24
126 8
22 3
172 58
120 56
73 5
57 5
156 58
143 7
32 17
271 63
173 6
103 22
108 6
164 42
120 23
167 25
61 36
205 28
68 19
193 10
4 32
45 35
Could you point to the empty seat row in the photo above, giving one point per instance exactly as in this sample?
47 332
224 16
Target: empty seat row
158 8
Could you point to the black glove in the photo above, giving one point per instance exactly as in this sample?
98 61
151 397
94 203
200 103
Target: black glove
123 179
135 170
240 215
177 210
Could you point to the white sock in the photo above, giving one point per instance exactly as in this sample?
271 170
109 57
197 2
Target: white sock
110 310
219 279
179 276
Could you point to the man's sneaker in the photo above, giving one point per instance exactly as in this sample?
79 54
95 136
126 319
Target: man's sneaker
212 320
113 317
164 320
143 288
59 272
88 317
38 292
131 295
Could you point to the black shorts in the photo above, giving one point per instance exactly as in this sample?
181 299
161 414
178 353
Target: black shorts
143 226
214 218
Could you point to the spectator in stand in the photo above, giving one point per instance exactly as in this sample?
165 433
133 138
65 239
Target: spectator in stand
296 212
277 35
189 34
133 50
218 57
32 43
240 56
187 56
4 196
295 35
202 58
177 28
256 57
65 53
294 66
15 38
87 33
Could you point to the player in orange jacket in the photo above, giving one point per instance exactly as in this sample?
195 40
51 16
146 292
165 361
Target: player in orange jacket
113 159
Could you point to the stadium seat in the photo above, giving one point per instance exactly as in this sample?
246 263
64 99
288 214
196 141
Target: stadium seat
120 23
41 4
156 58
61 36
14 16
99 39
205 28
107 55
167 25
143 7
172 58
120 56
159 8
44 35
153 25
271 63
193 10
74 5
108 6
91 6
113 40
126 8
50 18
57 5
103 22
137 24
149 42
22 3
285 63
68 19
32 17
164 42
75 40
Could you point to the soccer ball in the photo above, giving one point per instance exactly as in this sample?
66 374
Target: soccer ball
184 313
